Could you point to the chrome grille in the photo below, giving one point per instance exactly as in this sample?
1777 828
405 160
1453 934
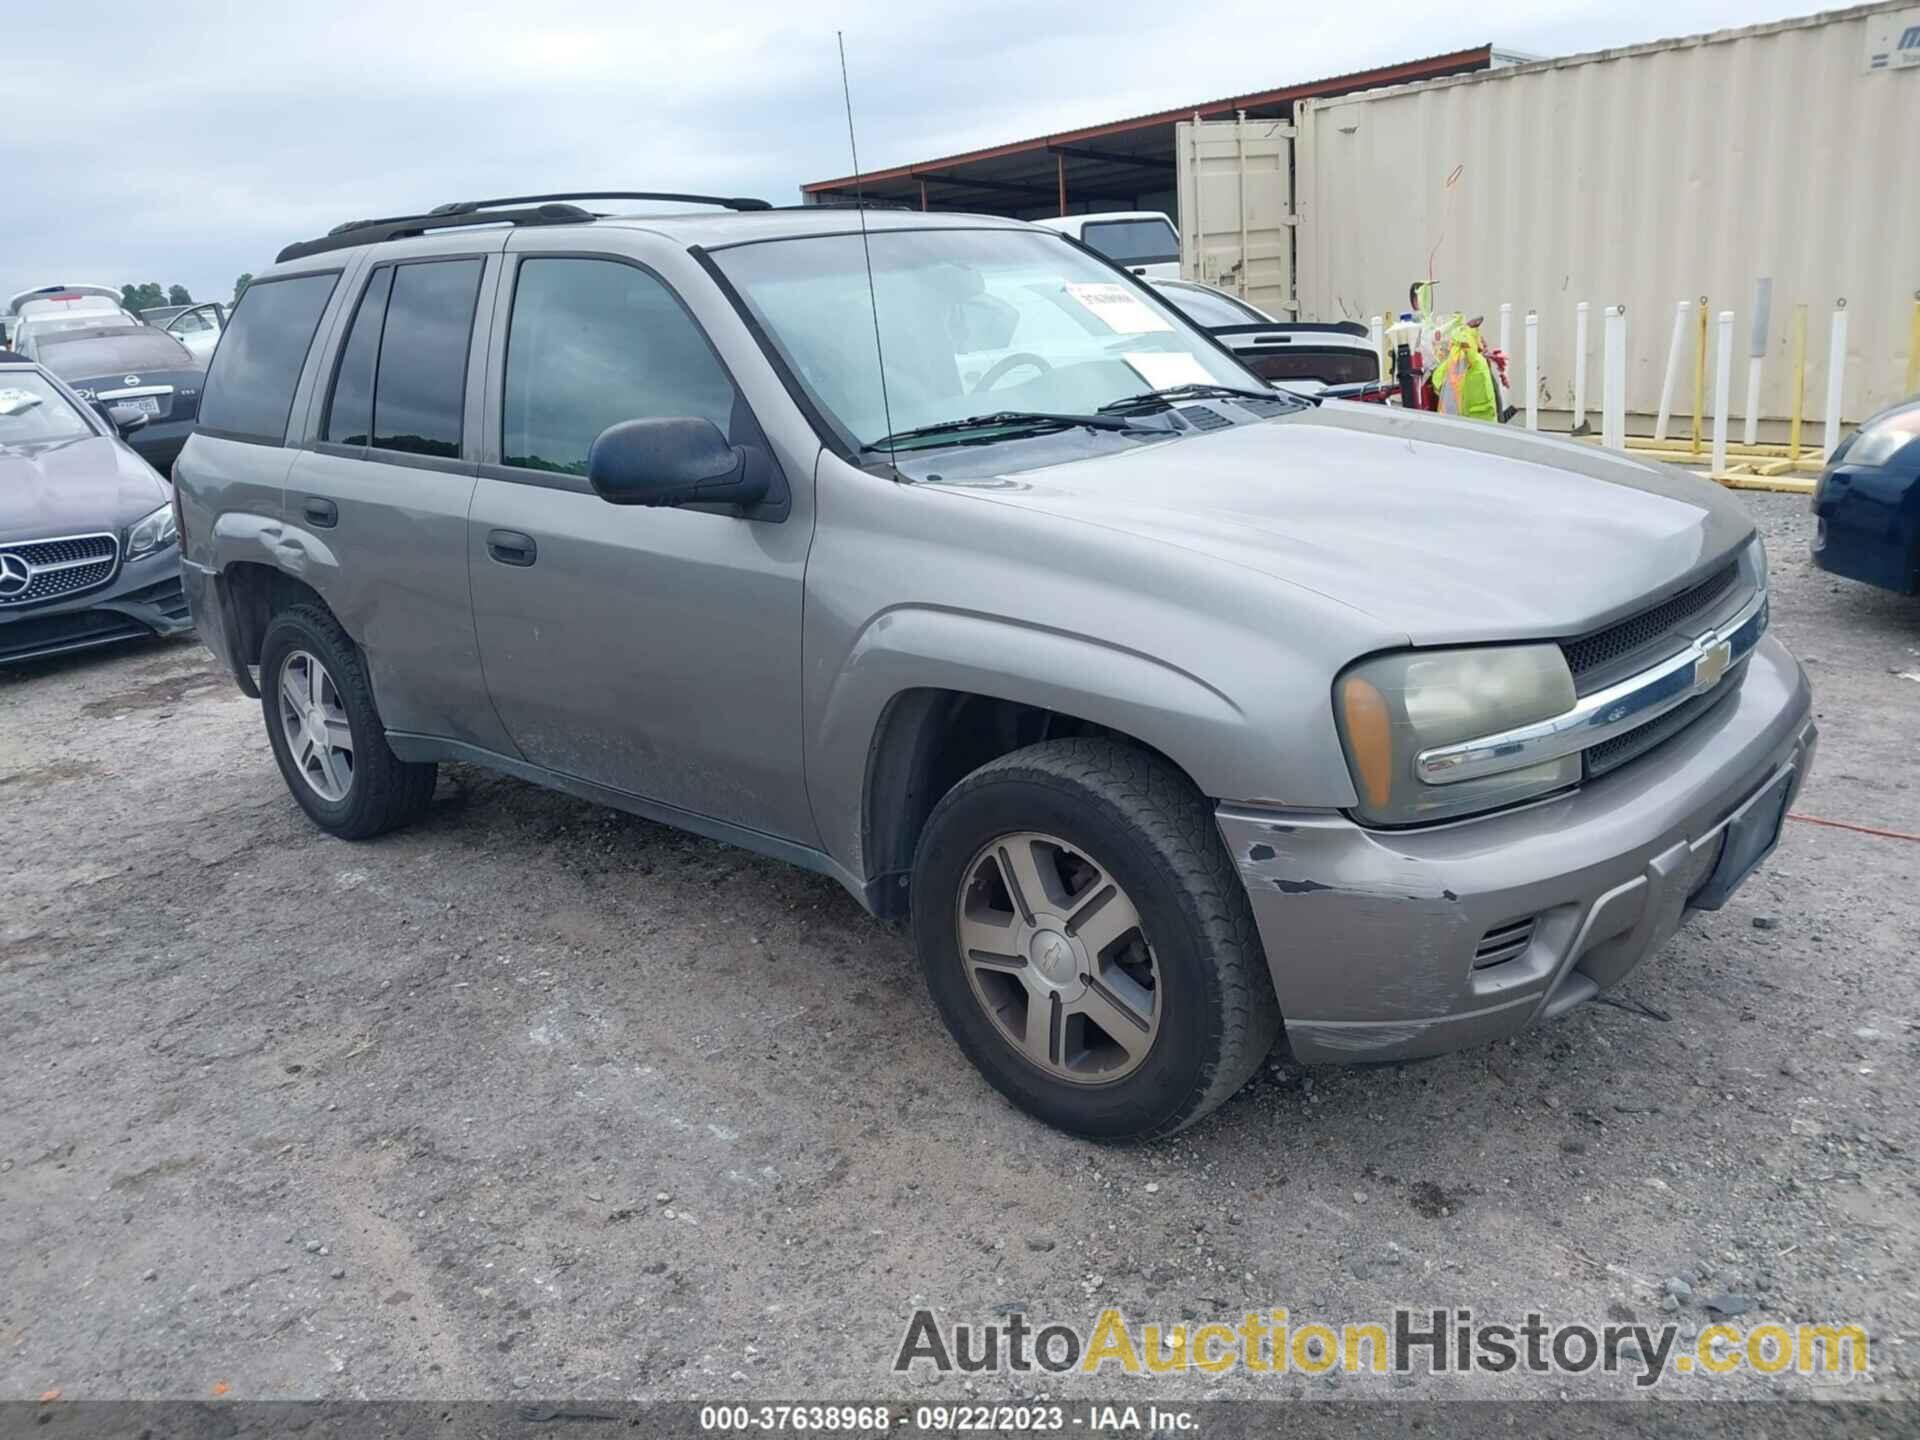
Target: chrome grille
1503 943
1612 754
32 571
1602 649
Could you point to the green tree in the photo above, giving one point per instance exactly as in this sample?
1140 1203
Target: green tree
240 286
142 297
177 295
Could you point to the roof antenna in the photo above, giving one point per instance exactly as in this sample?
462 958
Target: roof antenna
860 203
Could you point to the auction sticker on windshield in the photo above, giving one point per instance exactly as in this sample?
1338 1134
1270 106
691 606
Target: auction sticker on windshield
1119 309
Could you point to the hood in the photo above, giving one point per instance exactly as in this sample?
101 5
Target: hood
73 487
1446 530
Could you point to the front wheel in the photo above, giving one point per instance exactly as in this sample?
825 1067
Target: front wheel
1087 941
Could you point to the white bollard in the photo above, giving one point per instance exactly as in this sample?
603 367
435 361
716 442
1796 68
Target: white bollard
1756 354
1681 314
1533 371
1613 380
1377 332
1836 373
1506 332
1580 367
1722 386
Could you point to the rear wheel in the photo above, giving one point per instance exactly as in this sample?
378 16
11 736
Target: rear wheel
326 734
1087 940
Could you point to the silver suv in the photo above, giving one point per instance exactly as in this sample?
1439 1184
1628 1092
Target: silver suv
939 555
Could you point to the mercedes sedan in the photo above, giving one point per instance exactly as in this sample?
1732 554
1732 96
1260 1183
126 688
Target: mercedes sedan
88 550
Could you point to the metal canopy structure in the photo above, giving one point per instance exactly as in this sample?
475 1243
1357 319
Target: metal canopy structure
1120 165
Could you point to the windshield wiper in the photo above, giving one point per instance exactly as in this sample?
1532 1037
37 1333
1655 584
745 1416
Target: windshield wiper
1010 420
1199 390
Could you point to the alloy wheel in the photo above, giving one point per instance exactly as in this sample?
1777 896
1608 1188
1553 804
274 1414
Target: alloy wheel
314 721
1056 957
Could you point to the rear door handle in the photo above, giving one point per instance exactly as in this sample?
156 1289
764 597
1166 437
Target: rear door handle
510 547
323 513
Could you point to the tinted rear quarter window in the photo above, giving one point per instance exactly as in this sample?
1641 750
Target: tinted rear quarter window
249 392
421 385
1204 307
1134 242
350 411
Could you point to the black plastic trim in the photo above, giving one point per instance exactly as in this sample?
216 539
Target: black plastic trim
418 748
373 232
727 202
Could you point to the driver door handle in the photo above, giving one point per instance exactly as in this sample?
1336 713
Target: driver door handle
510 547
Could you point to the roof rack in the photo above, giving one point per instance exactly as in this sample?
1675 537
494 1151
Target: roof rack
394 227
728 202
534 210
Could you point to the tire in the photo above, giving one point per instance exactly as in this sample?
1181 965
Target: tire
379 791
1118 809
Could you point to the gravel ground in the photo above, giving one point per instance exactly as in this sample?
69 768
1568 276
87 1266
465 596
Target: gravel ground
538 1099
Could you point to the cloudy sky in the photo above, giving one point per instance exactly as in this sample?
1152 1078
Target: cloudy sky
189 146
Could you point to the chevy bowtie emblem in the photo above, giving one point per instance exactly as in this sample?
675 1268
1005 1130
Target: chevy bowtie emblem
15 575
1712 663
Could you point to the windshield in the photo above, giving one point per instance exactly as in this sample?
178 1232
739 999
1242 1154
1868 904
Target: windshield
1133 242
135 348
32 411
971 322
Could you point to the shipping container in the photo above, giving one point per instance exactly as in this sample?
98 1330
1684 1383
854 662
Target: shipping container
1235 189
1639 177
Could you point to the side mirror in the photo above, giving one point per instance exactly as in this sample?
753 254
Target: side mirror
124 418
683 461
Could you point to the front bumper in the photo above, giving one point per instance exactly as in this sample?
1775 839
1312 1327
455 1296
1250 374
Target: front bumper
1371 936
143 600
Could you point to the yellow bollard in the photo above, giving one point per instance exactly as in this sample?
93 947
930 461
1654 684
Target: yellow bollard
1913 349
1799 382
1699 376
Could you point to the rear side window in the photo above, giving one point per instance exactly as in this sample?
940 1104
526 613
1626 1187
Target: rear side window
1134 242
249 391
420 382
595 342
350 411
401 382
1208 307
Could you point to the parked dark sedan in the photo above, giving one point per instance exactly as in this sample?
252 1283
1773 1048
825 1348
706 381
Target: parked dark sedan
135 366
1868 503
88 549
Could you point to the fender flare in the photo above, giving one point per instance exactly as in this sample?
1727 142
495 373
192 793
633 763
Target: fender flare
926 647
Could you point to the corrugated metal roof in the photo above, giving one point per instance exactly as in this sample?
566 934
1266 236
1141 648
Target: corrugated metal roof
1407 71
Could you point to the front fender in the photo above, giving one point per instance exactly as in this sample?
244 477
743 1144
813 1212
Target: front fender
916 647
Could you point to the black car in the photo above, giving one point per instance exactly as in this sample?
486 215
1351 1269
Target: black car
137 367
88 549
1868 503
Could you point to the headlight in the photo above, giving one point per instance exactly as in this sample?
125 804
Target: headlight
1756 563
1882 440
1391 707
153 532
